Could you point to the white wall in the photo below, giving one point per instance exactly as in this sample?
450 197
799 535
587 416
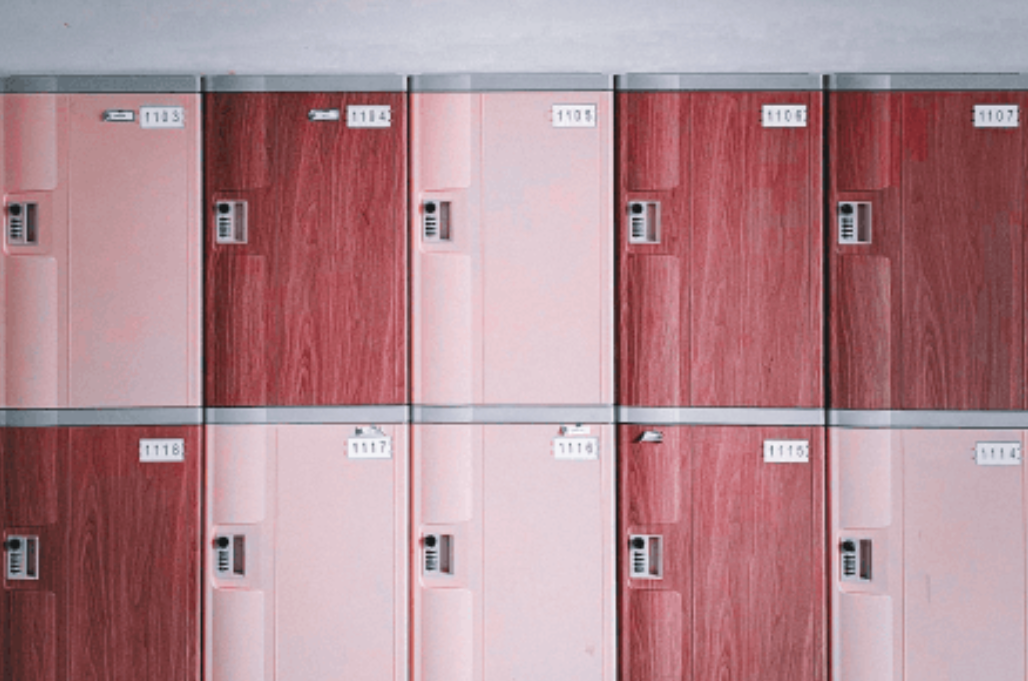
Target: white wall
314 36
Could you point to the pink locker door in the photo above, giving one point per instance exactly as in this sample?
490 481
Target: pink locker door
34 258
928 554
103 286
512 263
306 552
513 531
104 526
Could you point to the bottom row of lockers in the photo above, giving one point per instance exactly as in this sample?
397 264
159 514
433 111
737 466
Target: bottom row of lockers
465 552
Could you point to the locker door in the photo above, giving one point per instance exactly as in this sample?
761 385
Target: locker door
447 553
964 556
35 591
755 266
340 573
306 544
722 555
963 207
309 307
134 251
133 533
546 250
758 586
34 259
654 241
655 546
548 560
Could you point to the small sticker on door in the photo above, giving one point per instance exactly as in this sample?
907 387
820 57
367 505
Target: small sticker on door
369 116
166 450
997 116
369 443
783 115
156 117
576 448
573 115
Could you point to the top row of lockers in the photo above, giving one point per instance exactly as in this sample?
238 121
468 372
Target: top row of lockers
507 202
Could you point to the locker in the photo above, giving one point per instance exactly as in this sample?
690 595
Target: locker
101 257
306 247
720 438
928 553
927 507
101 531
513 570
512 266
926 263
306 552
722 552
719 241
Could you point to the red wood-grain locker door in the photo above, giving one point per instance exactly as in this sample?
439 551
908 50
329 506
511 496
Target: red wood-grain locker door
722 554
116 595
311 309
723 306
927 304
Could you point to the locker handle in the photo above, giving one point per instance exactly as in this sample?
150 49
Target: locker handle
23 223
435 221
646 556
438 554
644 222
854 222
22 557
857 559
230 555
231 223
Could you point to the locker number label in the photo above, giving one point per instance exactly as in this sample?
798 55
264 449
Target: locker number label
574 115
375 116
369 447
997 453
167 450
162 117
783 115
786 451
576 448
997 116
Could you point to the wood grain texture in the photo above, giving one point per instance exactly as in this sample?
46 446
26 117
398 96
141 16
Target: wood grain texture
787 606
32 636
655 626
652 333
745 221
641 381
331 226
950 225
237 358
758 551
655 488
745 557
652 123
29 458
861 161
756 221
861 365
864 127
133 533
963 248
237 151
